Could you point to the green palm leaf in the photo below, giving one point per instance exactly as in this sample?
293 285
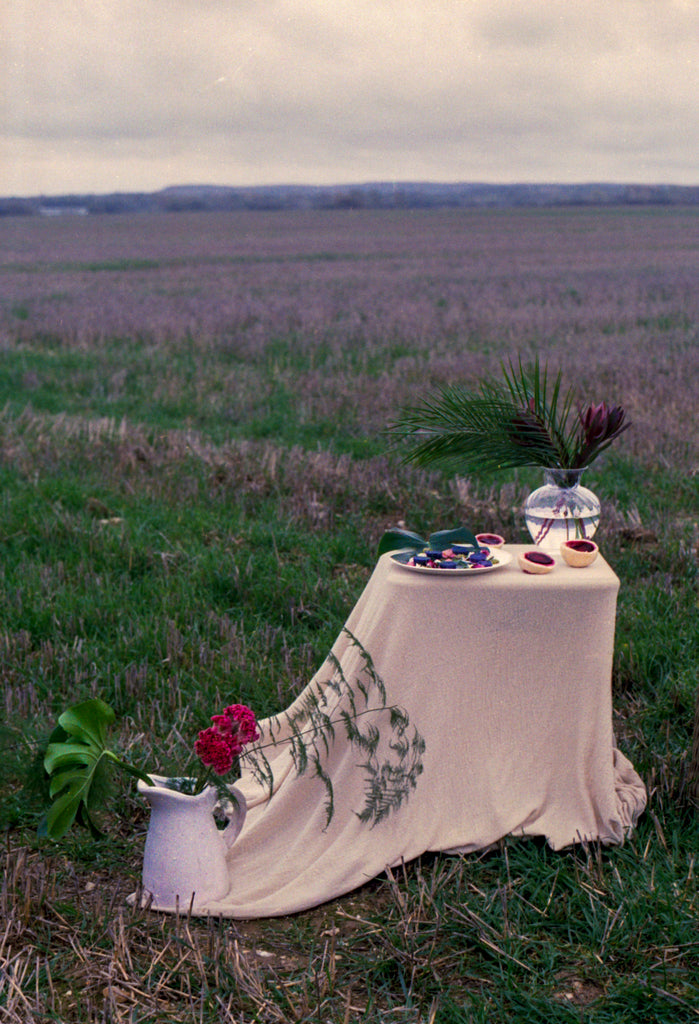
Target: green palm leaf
522 422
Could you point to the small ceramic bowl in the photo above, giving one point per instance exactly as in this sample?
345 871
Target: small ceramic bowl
579 553
535 562
490 540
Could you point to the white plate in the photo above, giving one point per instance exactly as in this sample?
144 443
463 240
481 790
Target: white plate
503 557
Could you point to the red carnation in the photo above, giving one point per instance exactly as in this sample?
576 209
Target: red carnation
223 725
215 751
220 744
243 725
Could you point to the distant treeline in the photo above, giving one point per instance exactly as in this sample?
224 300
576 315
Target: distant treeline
377 196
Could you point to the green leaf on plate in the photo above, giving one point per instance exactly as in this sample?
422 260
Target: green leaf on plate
445 538
398 540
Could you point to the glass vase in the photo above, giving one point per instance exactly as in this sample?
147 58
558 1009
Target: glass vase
561 510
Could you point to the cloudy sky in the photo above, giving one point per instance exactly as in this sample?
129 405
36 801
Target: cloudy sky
121 95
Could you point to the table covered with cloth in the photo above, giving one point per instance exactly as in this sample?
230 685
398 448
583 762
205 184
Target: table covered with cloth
505 678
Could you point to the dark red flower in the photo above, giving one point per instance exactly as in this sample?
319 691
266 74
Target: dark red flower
243 724
214 750
594 422
600 424
220 744
615 419
223 725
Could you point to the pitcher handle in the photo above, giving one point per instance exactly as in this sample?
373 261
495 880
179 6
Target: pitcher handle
237 817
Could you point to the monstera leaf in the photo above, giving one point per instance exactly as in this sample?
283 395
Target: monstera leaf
399 540
445 539
79 765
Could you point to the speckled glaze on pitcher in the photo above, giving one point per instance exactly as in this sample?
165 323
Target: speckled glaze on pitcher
184 861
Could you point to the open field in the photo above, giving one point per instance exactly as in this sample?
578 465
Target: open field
194 479
305 327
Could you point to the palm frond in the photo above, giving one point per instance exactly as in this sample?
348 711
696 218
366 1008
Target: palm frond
484 430
525 420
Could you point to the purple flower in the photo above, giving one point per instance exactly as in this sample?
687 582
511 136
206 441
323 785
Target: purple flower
599 424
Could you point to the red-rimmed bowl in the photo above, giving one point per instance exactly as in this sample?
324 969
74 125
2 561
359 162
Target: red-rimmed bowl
490 540
579 552
536 562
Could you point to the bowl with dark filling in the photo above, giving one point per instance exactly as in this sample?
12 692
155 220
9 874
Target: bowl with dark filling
490 540
579 553
535 562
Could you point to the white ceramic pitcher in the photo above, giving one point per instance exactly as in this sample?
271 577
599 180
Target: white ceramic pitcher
184 861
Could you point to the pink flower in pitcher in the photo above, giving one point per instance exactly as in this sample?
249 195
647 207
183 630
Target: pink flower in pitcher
242 724
223 741
215 750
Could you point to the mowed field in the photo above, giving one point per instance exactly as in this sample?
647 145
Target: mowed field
195 474
320 325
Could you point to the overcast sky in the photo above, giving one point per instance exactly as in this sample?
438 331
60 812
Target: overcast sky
123 95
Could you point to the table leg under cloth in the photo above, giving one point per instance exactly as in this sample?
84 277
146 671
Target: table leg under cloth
507 677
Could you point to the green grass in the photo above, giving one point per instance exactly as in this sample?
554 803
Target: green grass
189 522
169 387
168 578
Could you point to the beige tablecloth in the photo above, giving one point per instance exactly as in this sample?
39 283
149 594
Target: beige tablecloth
506 676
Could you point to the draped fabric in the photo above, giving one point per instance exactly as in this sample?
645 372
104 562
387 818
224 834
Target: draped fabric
505 677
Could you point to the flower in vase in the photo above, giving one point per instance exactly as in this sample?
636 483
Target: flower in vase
599 425
214 751
78 761
219 746
523 421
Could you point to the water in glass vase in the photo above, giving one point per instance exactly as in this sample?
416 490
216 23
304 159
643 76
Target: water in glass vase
561 510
